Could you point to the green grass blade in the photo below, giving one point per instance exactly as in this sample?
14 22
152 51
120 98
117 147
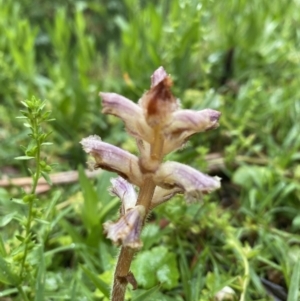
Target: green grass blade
100 284
184 271
2 247
294 285
147 294
90 206
40 279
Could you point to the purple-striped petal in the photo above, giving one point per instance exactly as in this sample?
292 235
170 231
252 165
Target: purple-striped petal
129 112
126 231
186 123
113 158
192 182
125 192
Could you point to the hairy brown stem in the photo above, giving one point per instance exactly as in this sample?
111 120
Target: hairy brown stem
121 273
146 192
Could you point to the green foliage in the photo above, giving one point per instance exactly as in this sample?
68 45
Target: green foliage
156 266
294 286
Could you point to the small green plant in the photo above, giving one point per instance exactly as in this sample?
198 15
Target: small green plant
34 116
159 127
20 267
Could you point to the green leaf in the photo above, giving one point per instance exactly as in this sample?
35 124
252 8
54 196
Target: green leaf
24 158
40 279
51 207
76 238
46 177
100 284
47 143
296 221
90 205
8 292
108 208
27 125
185 271
42 221
156 266
294 284
20 238
144 296
18 201
24 104
2 247
248 176
6 274
6 219
151 235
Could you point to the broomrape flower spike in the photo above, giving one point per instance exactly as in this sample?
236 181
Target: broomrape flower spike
159 127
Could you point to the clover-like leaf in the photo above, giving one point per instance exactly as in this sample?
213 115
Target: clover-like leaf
156 266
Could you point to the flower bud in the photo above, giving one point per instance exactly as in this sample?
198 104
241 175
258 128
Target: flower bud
159 103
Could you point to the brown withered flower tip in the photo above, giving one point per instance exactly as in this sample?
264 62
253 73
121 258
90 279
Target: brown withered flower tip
159 103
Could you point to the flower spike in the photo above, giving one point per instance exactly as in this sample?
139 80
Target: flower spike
159 127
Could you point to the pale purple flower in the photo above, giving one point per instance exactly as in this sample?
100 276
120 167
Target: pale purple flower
127 229
113 158
186 123
129 112
191 181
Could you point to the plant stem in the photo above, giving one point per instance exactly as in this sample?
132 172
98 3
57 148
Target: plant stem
145 196
22 293
121 272
246 277
36 177
126 254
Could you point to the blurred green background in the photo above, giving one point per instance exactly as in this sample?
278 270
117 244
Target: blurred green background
239 57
